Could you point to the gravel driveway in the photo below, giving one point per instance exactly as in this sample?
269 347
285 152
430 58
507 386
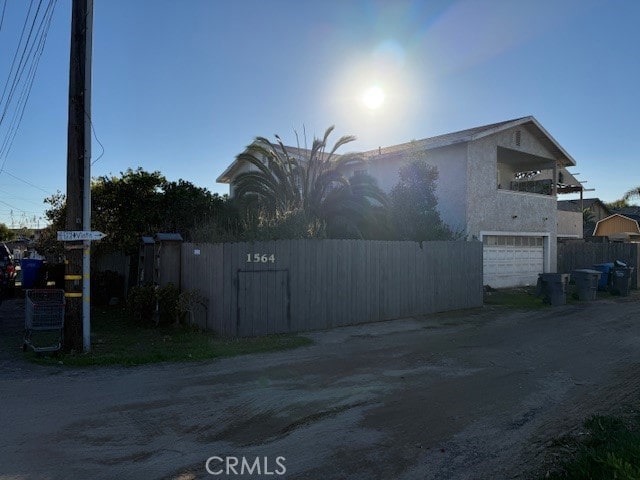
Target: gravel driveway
468 395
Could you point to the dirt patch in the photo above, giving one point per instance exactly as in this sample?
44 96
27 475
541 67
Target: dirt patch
468 395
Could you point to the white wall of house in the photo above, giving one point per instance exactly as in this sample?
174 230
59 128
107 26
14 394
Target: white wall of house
489 206
495 210
451 184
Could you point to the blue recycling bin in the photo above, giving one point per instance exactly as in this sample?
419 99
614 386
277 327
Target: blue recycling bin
30 270
605 278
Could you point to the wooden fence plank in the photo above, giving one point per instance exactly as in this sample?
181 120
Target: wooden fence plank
572 256
325 283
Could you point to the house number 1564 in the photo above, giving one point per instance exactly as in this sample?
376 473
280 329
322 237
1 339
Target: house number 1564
260 258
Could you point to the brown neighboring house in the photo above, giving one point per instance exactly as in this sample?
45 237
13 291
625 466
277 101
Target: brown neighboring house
618 228
596 206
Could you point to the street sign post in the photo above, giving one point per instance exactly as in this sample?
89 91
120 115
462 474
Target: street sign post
86 237
79 235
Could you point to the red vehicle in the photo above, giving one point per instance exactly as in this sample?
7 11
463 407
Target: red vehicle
7 267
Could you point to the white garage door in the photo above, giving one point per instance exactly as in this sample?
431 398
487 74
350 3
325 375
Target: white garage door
512 260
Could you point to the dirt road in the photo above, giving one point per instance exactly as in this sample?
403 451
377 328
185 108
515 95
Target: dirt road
470 395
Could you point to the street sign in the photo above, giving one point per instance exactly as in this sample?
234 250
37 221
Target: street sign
79 235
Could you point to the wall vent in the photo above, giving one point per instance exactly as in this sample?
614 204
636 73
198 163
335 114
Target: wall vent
518 137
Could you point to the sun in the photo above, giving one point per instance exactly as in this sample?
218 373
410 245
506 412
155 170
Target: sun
373 98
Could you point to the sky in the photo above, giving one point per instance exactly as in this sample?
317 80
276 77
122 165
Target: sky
182 87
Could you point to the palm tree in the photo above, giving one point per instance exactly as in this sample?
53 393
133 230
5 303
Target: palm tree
631 194
313 183
621 203
588 218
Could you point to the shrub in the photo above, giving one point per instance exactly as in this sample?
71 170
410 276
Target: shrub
142 303
189 302
167 297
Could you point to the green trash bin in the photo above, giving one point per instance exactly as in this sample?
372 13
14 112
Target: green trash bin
621 281
553 287
586 283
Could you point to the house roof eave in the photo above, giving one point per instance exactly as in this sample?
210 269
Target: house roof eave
227 175
570 161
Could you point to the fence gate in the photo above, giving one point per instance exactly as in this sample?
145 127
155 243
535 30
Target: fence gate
263 302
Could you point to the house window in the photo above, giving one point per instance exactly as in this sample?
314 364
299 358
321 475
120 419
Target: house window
490 240
512 241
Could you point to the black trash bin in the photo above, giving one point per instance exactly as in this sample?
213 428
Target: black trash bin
621 281
553 287
586 283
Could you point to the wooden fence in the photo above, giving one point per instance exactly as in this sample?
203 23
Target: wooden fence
585 254
297 285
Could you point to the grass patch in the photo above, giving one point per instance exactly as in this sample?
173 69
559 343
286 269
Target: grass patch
116 340
514 298
525 297
610 449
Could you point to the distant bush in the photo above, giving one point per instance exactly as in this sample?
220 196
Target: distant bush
142 303
167 297
153 305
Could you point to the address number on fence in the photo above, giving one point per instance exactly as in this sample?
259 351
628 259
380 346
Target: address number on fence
261 258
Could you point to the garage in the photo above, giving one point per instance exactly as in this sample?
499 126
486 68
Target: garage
512 260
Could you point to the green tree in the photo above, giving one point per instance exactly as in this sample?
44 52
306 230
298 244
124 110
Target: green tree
139 203
588 218
313 189
187 206
621 203
414 204
47 243
126 208
5 233
634 193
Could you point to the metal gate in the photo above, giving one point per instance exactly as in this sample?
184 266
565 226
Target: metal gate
264 305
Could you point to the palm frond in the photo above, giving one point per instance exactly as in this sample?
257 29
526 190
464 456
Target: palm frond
631 194
282 183
341 141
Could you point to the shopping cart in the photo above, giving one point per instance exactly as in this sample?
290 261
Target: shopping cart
44 314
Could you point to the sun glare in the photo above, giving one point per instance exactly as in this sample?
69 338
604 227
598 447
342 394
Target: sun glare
373 98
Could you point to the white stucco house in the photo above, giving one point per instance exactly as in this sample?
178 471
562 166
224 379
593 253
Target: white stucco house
497 183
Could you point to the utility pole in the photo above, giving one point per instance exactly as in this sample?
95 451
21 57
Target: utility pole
77 280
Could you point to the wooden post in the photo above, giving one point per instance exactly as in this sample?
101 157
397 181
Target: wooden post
76 173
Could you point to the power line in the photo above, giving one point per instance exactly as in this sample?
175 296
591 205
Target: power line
22 199
26 182
95 135
8 212
26 22
12 207
41 38
15 55
4 7
19 83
